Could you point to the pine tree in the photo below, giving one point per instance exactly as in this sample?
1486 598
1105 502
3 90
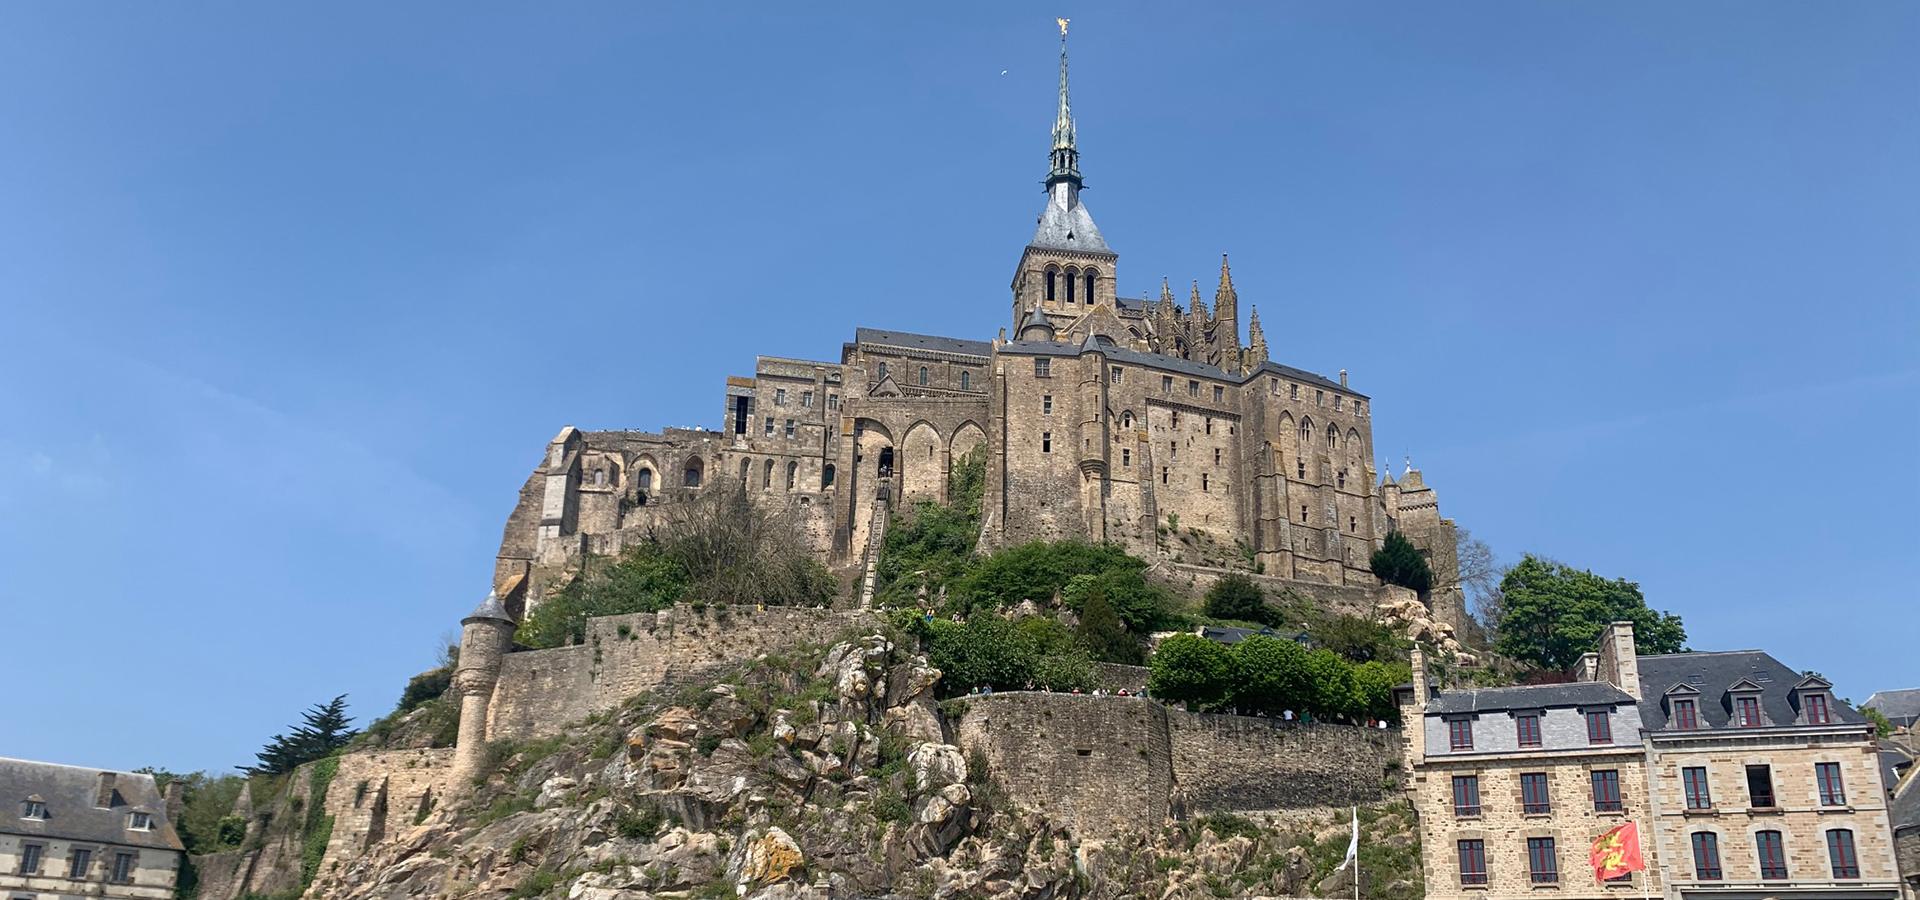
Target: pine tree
322 730
1399 562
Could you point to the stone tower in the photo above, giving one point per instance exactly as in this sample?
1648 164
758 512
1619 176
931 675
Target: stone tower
1067 269
485 636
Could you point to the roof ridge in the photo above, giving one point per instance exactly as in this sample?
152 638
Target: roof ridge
36 762
1697 653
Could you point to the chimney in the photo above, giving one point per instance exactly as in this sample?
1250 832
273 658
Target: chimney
1343 378
1619 661
1413 726
175 799
103 795
1587 668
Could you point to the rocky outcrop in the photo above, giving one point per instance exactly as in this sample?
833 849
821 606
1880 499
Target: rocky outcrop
818 775
1403 611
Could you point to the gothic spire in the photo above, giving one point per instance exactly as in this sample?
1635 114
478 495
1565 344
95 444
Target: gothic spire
1256 340
1197 308
1226 306
1066 155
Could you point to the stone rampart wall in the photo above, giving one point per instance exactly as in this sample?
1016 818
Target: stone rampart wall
540 691
1108 764
1242 763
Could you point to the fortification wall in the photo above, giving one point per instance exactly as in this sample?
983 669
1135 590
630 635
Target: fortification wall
1096 764
1241 763
1348 599
1107 764
540 691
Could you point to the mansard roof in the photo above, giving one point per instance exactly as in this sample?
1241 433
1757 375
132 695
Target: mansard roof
913 341
1716 675
1537 696
72 794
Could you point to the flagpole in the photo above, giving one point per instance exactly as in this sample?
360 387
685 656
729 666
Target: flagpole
1356 852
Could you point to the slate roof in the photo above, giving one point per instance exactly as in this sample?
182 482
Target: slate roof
70 793
490 608
1904 811
1903 707
1065 224
1712 673
922 341
1895 762
1536 696
1233 634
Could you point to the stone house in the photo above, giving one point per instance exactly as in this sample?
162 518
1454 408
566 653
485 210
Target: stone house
1102 417
67 831
1513 784
1751 780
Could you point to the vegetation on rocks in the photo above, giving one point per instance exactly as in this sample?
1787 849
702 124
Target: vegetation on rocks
323 729
719 547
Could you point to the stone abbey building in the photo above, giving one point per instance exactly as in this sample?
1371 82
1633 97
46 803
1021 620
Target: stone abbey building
1102 418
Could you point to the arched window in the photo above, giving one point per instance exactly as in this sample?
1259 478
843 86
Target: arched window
966 379
695 469
923 376
746 470
1333 436
1092 275
766 475
1126 419
826 477
1071 280
1342 478
883 373
646 479
793 473
1306 433
599 478
1053 277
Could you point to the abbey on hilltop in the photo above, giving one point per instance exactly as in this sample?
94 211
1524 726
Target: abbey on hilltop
1102 417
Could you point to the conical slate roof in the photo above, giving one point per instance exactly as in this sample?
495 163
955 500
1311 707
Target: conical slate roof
490 608
1065 223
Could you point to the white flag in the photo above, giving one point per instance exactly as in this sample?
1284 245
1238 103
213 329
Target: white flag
1353 846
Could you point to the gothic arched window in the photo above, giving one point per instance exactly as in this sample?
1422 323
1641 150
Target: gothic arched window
646 479
1092 275
966 379
826 477
1053 277
1306 433
746 470
1070 284
883 373
1333 436
793 472
766 476
923 376
695 469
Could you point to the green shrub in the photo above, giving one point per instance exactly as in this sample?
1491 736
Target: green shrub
1195 670
1399 562
1237 597
988 651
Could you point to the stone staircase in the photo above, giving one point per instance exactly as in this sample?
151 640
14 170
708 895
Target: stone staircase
876 537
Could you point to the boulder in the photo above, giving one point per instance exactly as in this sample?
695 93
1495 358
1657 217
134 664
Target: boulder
936 766
765 858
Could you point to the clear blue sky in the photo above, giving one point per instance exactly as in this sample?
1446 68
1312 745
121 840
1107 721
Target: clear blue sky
292 298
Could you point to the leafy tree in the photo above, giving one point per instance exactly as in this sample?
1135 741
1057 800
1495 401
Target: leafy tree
988 651
1554 613
926 550
1104 635
1882 726
1188 667
1273 675
1236 596
1038 570
322 730
1399 562
1143 607
1331 681
1358 638
968 482
1373 684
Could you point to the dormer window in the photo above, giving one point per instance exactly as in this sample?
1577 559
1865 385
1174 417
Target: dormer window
140 821
36 809
1816 709
1686 715
1746 711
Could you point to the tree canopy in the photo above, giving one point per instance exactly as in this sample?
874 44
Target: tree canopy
1552 613
1236 596
322 730
1272 675
1399 562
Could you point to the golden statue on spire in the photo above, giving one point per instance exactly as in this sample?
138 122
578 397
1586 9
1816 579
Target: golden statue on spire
1063 26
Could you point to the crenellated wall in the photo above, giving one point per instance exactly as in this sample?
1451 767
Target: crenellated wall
1108 764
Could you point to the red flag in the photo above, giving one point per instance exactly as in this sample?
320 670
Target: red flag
1617 852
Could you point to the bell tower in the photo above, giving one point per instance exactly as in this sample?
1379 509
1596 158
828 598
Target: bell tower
1067 269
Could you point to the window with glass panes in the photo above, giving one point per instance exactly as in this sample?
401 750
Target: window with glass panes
1526 728
1846 863
1460 734
1747 712
1706 856
1760 786
1772 854
1473 862
1466 795
1599 727
1541 862
1533 793
1832 793
1606 790
1685 715
1694 779
1817 709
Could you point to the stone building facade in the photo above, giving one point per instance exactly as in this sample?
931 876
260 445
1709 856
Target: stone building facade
1746 780
1102 418
66 831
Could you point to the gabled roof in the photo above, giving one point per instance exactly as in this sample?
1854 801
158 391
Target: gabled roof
1716 675
911 341
1898 705
70 793
1537 696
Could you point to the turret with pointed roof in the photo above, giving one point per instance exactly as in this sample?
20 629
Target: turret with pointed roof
1256 340
1067 268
